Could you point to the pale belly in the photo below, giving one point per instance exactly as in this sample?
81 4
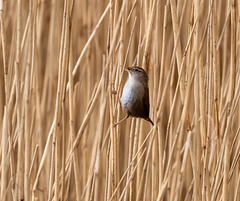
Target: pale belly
132 95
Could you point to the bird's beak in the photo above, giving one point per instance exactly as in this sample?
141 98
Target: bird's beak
128 69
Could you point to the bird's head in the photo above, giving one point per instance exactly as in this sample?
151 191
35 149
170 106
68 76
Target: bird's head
137 73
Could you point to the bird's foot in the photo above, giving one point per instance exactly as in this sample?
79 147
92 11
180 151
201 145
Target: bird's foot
114 91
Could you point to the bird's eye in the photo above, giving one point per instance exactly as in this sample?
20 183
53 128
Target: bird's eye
135 69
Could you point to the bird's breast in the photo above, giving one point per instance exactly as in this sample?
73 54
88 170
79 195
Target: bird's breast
132 92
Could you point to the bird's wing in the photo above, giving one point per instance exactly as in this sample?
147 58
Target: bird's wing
146 102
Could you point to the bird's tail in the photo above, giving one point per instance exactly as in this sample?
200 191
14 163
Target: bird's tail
148 119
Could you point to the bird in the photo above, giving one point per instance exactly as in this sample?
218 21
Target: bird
135 95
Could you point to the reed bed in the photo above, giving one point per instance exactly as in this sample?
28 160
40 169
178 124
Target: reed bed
60 61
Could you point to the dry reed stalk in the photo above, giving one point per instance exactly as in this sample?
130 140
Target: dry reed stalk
216 70
5 123
71 117
112 156
160 87
200 108
133 123
4 154
132 194
157 155
63 141
17 64
98 159
228 133
72 126
63 60
146 53
27 103
3 41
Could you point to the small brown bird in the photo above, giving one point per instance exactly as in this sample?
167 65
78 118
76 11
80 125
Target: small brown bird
135 96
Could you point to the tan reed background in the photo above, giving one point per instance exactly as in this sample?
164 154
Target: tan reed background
60 61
